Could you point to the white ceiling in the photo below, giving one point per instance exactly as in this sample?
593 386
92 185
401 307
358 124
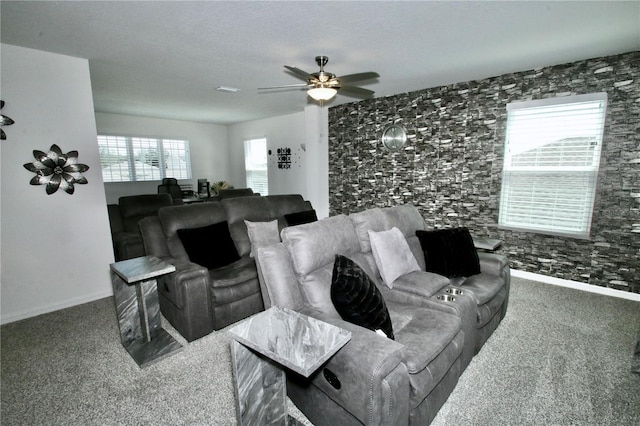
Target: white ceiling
165 58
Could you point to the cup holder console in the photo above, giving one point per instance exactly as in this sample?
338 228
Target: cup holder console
452 290
446 298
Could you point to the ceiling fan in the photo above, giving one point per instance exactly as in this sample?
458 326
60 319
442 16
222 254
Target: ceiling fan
324 85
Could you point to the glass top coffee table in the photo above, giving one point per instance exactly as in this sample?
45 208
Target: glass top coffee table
286 339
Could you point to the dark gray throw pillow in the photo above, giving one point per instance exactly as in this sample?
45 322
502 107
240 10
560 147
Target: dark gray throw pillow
299 218
449 252
209 246
357 299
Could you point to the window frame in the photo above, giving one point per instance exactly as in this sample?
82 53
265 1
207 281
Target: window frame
544 178
248 169
130 147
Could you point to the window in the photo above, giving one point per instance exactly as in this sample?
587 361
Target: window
132 159
255 162
552 154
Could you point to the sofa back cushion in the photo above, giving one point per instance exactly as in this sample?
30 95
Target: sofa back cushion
408 220
365 221
135 207
188 216
281 205
312 248
237 210
278 282
258 209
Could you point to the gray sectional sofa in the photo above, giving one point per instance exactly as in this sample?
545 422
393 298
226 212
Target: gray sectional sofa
198 299
375 380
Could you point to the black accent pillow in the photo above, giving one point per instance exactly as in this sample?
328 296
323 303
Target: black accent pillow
210 246
356 297
449 252
299 218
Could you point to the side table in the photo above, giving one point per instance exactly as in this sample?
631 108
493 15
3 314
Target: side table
136 294
487 244
287 339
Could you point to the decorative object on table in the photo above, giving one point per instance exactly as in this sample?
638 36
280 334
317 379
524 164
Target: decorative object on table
4 121
284 158
394 137
222 184
57 170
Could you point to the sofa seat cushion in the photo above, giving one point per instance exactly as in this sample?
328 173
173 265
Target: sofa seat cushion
432 342
234 281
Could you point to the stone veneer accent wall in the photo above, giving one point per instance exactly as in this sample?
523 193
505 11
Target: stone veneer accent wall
451 166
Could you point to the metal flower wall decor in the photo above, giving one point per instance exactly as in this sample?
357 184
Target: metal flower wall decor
4 121
57 170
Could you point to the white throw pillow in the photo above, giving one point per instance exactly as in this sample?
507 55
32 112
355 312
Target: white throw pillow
262 234
392 255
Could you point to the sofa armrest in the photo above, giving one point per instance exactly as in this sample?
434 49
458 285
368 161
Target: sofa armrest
421 283
189 284
405 298
374 383
492 263
127 245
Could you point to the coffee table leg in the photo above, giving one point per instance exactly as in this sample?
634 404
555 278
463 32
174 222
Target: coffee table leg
260 386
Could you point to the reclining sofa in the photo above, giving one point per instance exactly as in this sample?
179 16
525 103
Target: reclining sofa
438 322
216 282
124 218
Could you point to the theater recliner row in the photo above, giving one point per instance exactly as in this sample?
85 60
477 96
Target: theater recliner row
382 381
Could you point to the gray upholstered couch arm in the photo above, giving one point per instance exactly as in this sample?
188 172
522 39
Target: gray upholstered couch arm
374 383
492 263
189 283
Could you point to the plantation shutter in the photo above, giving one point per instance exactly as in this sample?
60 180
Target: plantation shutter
552 155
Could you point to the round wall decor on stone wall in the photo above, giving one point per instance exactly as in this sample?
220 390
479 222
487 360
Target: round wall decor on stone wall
394 137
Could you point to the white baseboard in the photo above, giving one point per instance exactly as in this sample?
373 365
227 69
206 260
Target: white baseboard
17 316
576 285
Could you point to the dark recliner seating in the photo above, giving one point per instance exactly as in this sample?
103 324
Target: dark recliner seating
194 299
124 218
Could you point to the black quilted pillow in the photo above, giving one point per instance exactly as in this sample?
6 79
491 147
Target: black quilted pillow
357 298
210 246
449 252
300 218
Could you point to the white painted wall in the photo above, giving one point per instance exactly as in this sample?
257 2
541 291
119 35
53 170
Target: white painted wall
287 131
207 144
55 249
317 142
306 133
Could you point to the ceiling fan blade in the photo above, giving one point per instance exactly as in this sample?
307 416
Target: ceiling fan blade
356 91
299 73
350 78
286 86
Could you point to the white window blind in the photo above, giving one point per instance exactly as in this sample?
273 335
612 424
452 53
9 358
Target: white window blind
552 155
255 161
130 159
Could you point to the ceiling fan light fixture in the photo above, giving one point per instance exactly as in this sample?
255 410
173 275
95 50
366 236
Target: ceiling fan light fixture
322 93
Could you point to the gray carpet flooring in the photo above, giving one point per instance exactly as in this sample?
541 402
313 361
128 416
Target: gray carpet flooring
561 356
